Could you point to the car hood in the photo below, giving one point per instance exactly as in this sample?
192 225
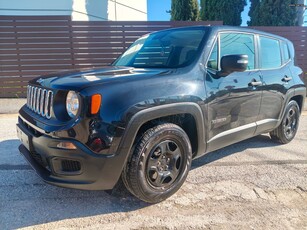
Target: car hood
82 78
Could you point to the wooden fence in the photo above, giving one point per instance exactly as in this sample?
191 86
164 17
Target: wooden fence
34 45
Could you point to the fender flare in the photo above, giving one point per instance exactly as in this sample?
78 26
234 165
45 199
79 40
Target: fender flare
149 114
301 91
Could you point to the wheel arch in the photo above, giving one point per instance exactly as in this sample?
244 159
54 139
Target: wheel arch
157 113
297 95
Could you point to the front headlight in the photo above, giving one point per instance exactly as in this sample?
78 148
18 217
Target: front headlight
72 104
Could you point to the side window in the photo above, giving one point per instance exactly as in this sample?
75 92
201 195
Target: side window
285 52
213 59
238 43
270 56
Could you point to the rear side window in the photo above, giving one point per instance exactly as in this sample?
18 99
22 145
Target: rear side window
285 52
238 43
270 56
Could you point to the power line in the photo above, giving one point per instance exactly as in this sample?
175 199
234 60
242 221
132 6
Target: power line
128 6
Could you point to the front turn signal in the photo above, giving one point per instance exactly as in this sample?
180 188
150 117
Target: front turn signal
95 103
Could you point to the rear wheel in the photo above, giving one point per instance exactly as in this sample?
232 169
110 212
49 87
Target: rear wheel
286 131
159 163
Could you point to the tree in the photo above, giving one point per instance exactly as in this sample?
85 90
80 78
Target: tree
254 13
228 11
272 13
184 10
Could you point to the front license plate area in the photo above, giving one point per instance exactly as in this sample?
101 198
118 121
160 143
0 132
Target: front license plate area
24 138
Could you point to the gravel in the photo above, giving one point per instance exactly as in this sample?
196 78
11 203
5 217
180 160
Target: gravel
255 184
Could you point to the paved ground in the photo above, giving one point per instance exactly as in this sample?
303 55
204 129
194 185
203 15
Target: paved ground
255 184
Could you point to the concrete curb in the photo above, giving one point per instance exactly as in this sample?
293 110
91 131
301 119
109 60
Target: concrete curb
12 105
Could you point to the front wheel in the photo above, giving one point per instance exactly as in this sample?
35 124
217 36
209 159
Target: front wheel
159 164
287 129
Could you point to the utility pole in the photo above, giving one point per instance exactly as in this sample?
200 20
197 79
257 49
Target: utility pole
300 12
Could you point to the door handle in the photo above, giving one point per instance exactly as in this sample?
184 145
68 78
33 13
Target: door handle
286 79
254 83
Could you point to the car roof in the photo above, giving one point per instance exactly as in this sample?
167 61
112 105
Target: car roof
216 29
245 29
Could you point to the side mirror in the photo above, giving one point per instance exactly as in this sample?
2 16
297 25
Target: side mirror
233 63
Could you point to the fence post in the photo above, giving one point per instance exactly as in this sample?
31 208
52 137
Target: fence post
72 47
18 53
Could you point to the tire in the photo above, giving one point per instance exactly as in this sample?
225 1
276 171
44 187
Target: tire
287 129
159 163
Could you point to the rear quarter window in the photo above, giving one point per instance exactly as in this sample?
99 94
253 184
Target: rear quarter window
285 52
270 55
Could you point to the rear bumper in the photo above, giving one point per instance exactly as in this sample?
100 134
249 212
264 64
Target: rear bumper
79 168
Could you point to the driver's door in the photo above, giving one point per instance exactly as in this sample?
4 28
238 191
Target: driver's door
233 102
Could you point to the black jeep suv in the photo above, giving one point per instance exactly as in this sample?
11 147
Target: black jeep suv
173 96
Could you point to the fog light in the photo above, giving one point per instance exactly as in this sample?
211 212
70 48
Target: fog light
66 145
97 145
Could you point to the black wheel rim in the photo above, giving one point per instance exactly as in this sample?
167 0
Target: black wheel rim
290 123
164 164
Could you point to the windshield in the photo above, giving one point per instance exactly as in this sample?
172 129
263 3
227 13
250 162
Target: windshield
165 49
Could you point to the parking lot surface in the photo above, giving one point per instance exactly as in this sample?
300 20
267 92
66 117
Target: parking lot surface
255 184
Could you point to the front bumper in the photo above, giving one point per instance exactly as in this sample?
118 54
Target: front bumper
78 168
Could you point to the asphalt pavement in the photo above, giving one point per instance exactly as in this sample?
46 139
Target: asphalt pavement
254 184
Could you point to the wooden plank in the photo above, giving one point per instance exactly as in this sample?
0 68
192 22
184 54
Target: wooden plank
37 29
141 23
30 40
42 56
95 55
35 46
99 61
53 62
44 51
98 45
34 57
36 18
56 34
142 29
108 40
26 73
17 95
36 62
13 89
108 33
37 67
15 79
33 23
109 50
14 83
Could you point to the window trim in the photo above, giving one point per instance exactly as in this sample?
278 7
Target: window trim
282 52
215 42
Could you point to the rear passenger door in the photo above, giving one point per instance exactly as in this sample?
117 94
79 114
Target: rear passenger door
233 102
276 76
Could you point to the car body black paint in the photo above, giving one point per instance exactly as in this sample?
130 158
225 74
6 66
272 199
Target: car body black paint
225 109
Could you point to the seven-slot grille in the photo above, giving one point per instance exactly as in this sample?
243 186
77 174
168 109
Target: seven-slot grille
40 100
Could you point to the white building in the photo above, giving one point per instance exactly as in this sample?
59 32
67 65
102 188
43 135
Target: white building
80 10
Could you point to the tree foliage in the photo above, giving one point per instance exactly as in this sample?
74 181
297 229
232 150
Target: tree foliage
228 11
184 10
272 13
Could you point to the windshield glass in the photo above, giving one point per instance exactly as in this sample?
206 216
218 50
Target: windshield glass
165 49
